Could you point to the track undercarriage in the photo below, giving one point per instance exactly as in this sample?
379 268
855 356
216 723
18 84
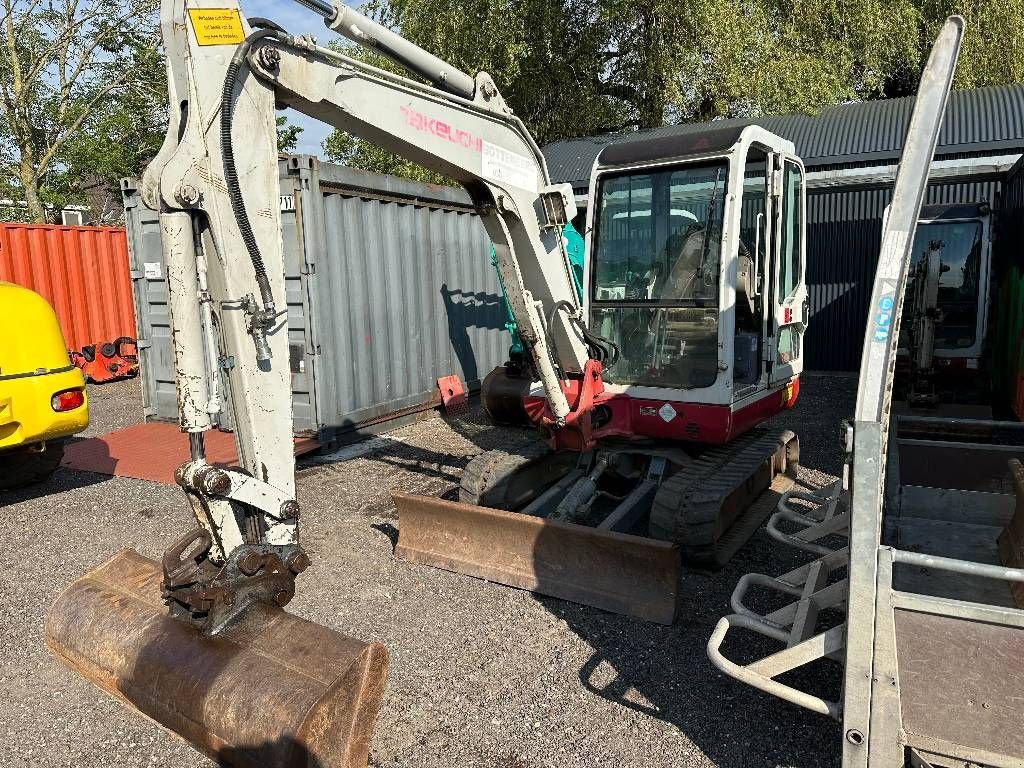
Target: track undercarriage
610 527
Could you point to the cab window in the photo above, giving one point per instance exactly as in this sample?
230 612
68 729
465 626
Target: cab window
658 235
656 273
792 229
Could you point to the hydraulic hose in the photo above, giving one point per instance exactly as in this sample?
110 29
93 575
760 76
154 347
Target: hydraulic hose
231 173
601 349
606 349
258 22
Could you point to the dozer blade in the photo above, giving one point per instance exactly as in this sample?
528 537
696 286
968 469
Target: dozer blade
613 571
271 691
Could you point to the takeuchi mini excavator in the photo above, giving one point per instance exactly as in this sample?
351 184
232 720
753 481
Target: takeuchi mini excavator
647 394
693 313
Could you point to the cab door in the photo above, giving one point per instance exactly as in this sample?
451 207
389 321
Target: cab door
788 304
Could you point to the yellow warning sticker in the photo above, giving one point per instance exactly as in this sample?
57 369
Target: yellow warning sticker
217 26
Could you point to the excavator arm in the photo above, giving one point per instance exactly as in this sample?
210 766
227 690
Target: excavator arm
215 185
225 666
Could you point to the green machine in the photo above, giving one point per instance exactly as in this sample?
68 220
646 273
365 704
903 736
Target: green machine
574 248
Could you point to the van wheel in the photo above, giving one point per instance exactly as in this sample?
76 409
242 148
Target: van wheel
24 467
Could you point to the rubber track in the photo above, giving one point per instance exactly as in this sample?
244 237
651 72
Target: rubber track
688 505
485 472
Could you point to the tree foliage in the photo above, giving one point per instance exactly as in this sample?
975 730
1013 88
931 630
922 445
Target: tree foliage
549 58
83 92
993 48
287 134
82 97
796 56
573 68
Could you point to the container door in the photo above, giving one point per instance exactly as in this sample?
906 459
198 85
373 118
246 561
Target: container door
788 305
295 222
152 318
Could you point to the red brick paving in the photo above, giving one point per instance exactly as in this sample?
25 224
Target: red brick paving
152 451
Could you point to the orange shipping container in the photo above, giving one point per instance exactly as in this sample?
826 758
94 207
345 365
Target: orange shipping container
82 271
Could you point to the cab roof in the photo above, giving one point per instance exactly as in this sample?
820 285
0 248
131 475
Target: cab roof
665 147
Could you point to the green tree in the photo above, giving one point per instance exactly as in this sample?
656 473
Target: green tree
790 55
624 64
993 47
82 95
551 59
287 134
543 53
118 141
803 55
573 68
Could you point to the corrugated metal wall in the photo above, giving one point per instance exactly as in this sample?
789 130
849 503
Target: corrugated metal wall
404 289
843 239
81 271
389 287
1008 313
987 120
149 288
156 358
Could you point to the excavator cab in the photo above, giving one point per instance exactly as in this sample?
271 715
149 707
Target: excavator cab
696 268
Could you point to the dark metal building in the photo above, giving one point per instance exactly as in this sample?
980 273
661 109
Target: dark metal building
851 152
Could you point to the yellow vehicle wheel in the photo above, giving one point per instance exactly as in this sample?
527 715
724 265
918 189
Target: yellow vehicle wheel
25 466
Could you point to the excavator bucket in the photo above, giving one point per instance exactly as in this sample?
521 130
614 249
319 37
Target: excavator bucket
613 571
272 691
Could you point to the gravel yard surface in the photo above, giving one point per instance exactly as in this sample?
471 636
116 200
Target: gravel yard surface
481 674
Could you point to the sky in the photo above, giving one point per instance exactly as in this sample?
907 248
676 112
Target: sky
298 21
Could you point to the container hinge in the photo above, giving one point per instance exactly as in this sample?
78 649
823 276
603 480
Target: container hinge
137 274
147 412
129 193
143 343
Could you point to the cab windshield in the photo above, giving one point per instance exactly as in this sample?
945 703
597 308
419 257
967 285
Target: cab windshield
655 280
659 234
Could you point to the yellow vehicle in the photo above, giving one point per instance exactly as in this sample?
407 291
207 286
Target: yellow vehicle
42 395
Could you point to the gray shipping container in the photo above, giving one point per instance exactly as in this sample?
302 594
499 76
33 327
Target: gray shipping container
389 287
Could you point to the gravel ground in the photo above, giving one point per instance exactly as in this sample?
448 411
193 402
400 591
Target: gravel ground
481 675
